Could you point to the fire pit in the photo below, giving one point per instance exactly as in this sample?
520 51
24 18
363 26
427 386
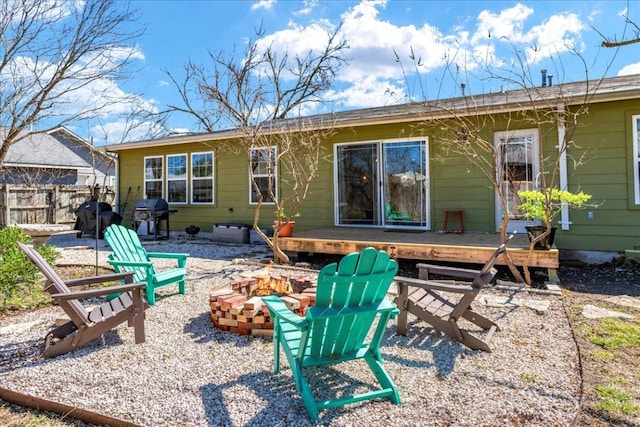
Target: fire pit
238 306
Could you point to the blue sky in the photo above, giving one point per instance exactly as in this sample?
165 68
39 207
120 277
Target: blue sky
464 34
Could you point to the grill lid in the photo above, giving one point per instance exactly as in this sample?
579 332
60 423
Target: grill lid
152 205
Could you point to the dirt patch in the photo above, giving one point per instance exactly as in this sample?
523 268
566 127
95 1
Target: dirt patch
603 369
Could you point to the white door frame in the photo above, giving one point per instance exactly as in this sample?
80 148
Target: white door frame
531 179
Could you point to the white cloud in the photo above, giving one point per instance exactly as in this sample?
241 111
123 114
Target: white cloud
559 33
263 4
504 25
121 130
84 95
309 5
630 69
297 40
374 74
370 92
373 44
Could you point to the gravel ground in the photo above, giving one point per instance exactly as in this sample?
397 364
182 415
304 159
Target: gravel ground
189 373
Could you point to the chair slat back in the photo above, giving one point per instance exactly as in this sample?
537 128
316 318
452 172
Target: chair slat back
55 285
126 246
351 290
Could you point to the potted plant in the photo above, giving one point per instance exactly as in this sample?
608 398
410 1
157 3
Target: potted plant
544 206
283 225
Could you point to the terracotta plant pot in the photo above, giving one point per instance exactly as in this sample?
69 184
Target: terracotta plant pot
286 230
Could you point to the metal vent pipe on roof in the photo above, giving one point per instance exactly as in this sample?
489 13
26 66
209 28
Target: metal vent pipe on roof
544 78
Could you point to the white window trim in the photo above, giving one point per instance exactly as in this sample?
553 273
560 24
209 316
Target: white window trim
274 150
193 178
144 175
635 123
185 179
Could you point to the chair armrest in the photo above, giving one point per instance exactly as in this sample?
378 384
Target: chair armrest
115 262
462 288
167 255
444 270
127 276
96 292
388 305
181 258
279 309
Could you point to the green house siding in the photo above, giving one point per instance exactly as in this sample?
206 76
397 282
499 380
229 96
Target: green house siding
604 143
455 181
599 162
231 189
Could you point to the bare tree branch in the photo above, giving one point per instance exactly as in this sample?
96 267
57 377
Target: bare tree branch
260 93
53 55
628 22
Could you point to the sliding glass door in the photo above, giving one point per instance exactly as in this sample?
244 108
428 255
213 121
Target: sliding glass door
404 184
382 183
357 184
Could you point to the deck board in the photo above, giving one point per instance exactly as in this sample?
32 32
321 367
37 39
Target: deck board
475 248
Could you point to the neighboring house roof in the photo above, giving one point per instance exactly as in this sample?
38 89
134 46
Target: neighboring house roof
591 91
58 148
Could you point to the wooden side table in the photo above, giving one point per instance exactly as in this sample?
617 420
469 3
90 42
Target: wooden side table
445 226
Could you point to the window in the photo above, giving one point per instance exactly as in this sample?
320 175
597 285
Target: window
202 178
263 173
177 178
153 177
635 121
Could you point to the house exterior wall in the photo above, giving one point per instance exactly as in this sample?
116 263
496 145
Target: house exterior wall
602 139
231 189
56 157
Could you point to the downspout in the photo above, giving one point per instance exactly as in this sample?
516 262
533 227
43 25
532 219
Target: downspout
116 172
116 185
562 163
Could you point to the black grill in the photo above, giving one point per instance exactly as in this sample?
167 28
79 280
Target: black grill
86 218
146 209
147 215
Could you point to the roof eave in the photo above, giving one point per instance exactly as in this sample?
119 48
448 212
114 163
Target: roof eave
482 104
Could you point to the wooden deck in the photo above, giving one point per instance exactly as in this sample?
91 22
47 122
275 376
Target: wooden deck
473 248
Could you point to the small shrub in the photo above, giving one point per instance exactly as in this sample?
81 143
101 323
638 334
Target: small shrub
615 333
17 273
603 356
614 400
530 378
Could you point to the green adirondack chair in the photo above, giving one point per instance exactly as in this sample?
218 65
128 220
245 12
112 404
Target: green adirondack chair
129 255
349 297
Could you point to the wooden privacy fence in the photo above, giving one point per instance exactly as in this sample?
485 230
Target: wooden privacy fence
45 204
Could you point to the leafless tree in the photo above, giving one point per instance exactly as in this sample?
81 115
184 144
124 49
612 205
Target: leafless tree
58 61
262 94
466 131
